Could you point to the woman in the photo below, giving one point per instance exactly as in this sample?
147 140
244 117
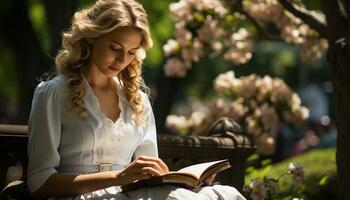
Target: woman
91 128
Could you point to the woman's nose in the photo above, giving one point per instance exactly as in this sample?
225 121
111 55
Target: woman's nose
120 58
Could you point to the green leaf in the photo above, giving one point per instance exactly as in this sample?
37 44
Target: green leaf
324 180
37 16
250 170
253 157
266 162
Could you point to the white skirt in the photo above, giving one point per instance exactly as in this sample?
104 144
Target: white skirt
164 192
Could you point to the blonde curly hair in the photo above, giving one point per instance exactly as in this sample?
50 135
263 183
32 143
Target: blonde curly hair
103 17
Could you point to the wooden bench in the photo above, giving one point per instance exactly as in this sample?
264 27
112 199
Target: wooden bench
176 151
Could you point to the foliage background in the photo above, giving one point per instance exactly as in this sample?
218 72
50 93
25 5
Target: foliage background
273 58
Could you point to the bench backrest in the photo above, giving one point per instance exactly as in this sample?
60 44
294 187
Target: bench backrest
176 151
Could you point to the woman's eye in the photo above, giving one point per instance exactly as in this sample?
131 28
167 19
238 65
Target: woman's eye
116 48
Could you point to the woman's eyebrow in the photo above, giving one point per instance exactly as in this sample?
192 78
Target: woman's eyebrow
123 45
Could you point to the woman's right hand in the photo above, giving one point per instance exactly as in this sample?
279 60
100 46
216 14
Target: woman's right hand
143 167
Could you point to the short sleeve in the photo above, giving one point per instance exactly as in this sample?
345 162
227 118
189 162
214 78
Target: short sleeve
148 146
44 130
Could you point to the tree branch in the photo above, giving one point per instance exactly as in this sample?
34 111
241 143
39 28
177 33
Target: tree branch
320 27
346 10
336 23
236 6
260 28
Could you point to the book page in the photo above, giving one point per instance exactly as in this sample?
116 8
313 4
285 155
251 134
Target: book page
198 169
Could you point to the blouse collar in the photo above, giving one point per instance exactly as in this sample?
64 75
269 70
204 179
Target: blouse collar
92 104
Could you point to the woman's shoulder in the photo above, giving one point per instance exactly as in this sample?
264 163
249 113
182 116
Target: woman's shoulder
145 99
56 86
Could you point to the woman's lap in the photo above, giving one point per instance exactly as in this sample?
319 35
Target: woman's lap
165 192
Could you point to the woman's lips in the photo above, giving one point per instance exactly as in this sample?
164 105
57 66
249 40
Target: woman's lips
114 68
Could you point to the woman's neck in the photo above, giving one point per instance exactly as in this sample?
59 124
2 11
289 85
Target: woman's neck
96 79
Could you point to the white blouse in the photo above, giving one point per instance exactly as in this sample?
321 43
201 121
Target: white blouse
58 137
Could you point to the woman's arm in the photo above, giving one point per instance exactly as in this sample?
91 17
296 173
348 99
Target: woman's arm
60 184
148 145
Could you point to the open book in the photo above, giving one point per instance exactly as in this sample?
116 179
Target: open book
191 177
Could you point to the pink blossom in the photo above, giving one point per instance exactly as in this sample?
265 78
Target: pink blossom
174 67
193 52
266 144
269 118
210 30
182 35
181 11
252 126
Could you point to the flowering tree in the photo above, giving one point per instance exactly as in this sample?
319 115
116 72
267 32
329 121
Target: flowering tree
259 104
213 28
206 28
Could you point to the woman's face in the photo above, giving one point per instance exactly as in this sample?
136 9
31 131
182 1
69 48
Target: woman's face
112 52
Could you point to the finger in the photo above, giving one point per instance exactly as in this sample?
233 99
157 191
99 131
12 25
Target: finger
151 171
152 164
142 176
157 160
163 166
147 170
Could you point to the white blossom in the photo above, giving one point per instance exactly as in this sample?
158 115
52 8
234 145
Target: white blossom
171 47
177 123
197 118
225 81
297 171
258 190
300 115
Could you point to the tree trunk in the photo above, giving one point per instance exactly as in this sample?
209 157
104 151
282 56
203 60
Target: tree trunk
29 58
59 14
339 62
31 62
339 59
166 91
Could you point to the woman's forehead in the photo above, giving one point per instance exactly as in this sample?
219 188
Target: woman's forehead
128 37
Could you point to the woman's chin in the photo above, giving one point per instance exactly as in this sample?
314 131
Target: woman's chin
110 74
